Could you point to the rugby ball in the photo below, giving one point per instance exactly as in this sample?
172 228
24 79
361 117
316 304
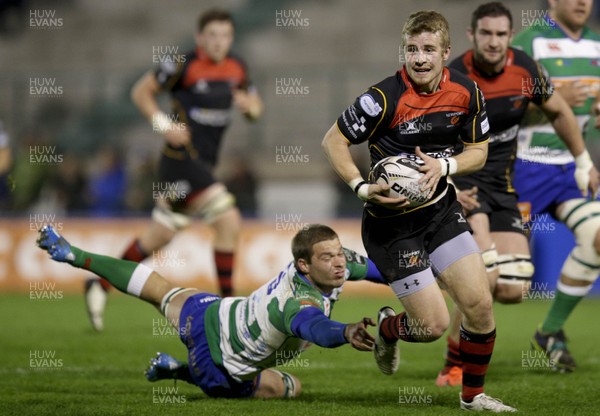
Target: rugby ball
403 176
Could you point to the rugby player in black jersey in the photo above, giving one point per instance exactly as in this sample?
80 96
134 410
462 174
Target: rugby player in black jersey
509 80
204 87
423 112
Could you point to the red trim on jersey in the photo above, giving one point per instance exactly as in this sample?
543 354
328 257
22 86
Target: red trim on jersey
451 96
202 67
502 85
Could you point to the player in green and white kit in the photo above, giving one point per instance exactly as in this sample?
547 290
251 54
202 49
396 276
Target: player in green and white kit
547 177
234 342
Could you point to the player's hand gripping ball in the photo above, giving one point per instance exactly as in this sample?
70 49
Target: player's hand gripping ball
402 175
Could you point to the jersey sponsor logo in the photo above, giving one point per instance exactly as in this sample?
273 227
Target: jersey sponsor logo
201 87
353 122
485 126
369 105
361 126
210 116
437 155
506 135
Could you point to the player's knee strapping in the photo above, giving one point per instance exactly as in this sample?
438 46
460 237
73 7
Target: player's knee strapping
217 205
583 219
174 221
289 384
490 258
164 303
515 268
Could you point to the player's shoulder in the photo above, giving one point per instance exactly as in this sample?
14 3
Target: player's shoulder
459 82
236 60
458 63
304 294
391 85
590 34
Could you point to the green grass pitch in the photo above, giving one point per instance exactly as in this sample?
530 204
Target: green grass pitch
52 363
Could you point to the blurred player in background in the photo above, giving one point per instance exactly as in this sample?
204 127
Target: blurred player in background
233 342
509 80
548 178
419 113
203 88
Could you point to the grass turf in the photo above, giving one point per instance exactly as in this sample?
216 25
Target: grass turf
52 362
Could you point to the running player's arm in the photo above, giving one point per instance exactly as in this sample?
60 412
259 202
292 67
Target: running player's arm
356 125
564 122
143 95
596 111
248 102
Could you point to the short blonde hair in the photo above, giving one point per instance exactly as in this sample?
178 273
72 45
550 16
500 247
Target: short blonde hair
427 21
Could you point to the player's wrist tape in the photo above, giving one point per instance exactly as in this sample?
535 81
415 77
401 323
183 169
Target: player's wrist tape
448 165
356 185
161 122
584 161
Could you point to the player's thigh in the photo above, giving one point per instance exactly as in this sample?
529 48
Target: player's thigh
275 384
466 282
427 309
480 223
155 236
511 243
173 312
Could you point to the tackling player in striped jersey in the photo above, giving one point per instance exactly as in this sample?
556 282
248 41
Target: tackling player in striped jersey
233 342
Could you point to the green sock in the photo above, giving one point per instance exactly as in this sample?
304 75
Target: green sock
118 272
560 310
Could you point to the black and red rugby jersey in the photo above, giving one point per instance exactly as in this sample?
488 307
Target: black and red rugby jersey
507 96
395 118
202 96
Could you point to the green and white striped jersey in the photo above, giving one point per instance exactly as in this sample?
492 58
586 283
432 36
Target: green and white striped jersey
566 60
249 334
